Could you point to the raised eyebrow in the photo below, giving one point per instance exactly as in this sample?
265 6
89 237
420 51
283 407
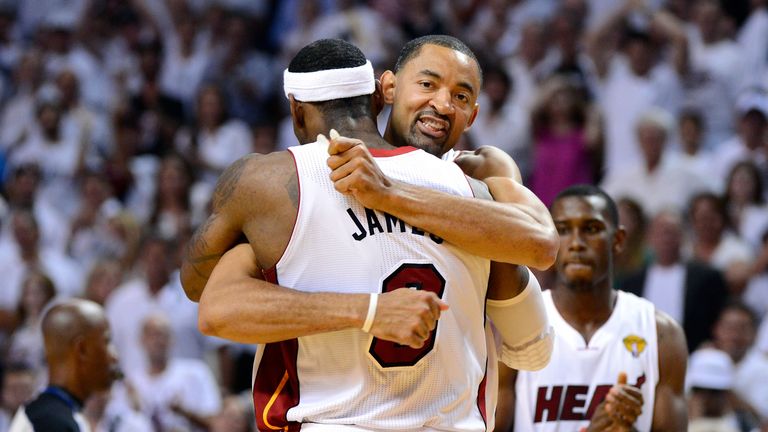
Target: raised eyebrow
463 84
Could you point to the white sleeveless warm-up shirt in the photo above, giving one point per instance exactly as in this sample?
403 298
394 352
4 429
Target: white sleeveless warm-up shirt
348 377
563 396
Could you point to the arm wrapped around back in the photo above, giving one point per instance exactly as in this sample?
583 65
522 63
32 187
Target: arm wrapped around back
526 335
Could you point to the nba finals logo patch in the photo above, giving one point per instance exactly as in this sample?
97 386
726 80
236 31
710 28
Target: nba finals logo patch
635 345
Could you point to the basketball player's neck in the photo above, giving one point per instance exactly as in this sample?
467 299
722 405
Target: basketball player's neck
364 129
587 308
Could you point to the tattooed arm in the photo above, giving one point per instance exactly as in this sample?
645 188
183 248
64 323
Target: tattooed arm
219 233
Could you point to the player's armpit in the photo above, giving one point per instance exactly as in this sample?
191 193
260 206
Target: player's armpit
669 411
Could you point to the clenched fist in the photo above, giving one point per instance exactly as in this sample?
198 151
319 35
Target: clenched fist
407 316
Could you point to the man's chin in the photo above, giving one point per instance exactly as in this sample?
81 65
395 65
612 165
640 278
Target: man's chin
428 144
578 281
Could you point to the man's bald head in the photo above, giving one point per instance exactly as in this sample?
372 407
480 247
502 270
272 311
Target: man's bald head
80 355
65 322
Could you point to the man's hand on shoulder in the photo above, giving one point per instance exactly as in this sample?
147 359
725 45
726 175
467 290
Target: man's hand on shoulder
488 161
354 172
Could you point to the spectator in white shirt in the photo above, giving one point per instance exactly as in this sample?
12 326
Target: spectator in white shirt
501 123
89 127
753 39
155 289
751 140
176 393
526 66
715 243
756 293
715 74
637 74
734 333
26 345
22 192
218 140
91 236
19 385
29 255
19 110
172 211
59 156
690 146
745 202
247 77
657 182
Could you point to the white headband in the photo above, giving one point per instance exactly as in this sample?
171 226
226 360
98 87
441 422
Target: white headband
329 84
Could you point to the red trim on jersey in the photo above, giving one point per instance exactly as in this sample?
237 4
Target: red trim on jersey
481 396
270 274
481 400
376 152
276 385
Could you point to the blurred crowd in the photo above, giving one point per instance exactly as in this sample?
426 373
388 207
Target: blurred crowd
117 116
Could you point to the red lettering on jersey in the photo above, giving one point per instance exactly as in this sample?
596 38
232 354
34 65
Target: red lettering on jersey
572 402
640 381
551 405
598 396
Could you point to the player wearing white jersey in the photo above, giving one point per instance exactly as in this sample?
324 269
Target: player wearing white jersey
600 334
568 391
348 377
259 197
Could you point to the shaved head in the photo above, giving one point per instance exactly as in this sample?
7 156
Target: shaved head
65 322
78 348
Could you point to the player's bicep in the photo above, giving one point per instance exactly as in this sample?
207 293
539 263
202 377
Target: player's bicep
670 413
209 242
220 232
507 190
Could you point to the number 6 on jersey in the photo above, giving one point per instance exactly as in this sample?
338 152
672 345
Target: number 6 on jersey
419 276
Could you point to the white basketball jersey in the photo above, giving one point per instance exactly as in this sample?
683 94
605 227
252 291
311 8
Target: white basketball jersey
349 377
563 396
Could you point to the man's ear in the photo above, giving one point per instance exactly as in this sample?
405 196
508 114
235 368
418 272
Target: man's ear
82 349
472 117
297 112
388 81
377 100
618 239
297 117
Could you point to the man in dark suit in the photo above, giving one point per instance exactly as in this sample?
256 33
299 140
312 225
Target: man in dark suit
691 292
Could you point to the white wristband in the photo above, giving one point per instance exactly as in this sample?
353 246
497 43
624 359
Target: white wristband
372 303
